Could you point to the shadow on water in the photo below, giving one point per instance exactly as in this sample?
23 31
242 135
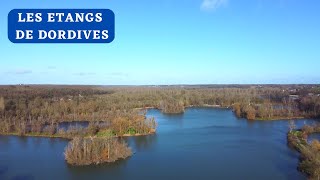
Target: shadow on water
313 136
23 141
105 167
140 143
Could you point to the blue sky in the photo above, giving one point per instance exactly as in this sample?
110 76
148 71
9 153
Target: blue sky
176 42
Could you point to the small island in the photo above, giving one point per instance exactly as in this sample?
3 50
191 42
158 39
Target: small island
87 151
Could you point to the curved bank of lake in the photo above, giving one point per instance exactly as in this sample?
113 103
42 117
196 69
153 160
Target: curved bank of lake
202 143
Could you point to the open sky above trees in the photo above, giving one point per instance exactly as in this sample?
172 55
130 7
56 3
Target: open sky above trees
176 42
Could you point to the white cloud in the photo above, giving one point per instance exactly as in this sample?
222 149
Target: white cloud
212 5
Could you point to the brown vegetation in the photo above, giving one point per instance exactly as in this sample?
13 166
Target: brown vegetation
86 151
172 106
310 153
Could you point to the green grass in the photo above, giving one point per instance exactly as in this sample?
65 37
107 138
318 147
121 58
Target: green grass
106 133
132 131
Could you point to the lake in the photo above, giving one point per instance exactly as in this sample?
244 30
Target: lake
202 143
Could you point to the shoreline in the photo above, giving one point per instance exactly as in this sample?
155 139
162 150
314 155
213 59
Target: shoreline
189 106
281 118
153 131
70 138
36 135
308 151
227 107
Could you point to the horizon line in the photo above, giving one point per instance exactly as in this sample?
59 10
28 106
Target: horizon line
200 84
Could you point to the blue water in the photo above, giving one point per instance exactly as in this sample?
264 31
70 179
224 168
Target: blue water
313 136
202 143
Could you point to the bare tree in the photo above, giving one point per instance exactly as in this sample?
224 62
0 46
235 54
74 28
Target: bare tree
292 125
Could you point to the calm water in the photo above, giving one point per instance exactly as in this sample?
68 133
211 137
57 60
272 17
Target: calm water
202 143
314 136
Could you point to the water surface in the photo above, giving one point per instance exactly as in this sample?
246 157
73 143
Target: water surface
202 143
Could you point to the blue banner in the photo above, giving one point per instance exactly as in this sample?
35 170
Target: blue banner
61 26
